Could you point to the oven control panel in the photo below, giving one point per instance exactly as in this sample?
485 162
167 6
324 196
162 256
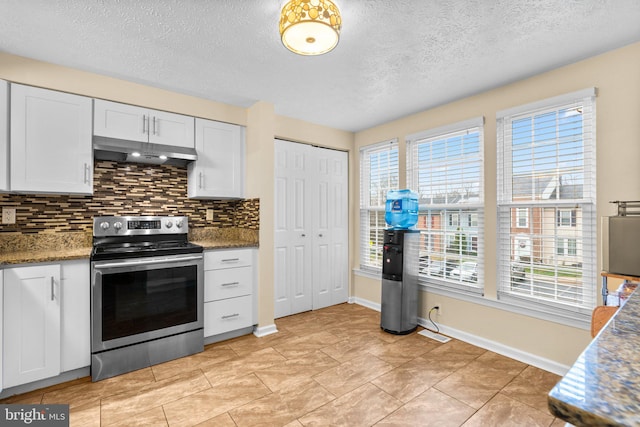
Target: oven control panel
139 225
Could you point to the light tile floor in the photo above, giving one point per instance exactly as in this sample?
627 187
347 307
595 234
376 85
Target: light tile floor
327 367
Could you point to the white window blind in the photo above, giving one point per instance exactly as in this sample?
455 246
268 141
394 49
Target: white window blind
378 175
445 168
546 166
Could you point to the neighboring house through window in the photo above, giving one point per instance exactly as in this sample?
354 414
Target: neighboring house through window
546 191
445 168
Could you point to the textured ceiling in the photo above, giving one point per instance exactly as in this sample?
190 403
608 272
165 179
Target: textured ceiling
395 57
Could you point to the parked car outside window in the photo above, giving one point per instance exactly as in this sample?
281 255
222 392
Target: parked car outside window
467 272
517 273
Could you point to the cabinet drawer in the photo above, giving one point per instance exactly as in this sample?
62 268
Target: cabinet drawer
228 258
227 315
227 283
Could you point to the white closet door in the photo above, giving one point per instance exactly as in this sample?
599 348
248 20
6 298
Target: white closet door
293 269
311 228
330 227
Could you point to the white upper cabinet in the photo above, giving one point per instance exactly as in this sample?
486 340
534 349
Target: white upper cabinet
219 171
4 135
50 142
122 121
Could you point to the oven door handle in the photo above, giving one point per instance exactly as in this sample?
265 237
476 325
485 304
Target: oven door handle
148 262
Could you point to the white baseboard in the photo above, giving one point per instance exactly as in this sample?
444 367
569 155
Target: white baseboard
366 303
263 331
496 347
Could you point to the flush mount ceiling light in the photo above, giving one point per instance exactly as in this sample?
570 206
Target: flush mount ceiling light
310 27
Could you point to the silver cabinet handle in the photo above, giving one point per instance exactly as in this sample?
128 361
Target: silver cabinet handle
303 235
144 124
230 284
155 132
231 260
200 181
230 316
53 295
87 176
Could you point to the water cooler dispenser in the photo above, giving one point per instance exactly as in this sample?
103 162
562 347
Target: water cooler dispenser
400 262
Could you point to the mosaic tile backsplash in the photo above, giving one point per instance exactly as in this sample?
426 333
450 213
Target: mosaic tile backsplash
126 189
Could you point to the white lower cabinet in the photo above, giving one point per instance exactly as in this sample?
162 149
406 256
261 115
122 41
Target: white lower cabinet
228 290
76 324
46 321
227 315
32 308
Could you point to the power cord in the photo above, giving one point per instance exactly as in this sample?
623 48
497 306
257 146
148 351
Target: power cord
437 331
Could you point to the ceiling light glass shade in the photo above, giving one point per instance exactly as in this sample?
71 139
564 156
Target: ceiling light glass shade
310 27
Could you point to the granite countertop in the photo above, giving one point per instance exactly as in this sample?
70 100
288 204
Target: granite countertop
602 388
16 248
33 256
225 244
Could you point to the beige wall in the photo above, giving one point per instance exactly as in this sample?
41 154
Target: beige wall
616 75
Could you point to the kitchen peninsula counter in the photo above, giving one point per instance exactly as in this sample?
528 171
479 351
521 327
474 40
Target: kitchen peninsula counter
603 385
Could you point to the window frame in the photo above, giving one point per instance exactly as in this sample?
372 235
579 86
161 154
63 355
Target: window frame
449 211
585 103
366 208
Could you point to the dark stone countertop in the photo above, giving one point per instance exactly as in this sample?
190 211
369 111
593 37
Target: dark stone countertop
602 388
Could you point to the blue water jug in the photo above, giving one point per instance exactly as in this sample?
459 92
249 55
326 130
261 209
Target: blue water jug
401 209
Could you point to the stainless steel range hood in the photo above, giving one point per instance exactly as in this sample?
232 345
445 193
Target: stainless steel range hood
141 152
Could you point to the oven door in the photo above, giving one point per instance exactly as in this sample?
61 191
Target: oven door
140 299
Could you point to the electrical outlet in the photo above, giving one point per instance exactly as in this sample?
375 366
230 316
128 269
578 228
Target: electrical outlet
209 214
439 310
8 215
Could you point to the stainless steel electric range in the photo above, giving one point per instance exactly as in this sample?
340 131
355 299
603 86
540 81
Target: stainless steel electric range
146 293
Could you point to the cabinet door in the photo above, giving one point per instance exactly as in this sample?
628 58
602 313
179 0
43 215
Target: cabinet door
227 315
4 136
120 121
227 283
51 148
32 308
171 129
219 171
75 317
227 258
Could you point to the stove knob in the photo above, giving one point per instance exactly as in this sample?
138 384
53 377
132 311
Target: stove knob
117 225
179 223
169 224
104 225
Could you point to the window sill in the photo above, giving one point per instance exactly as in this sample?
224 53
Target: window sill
370 274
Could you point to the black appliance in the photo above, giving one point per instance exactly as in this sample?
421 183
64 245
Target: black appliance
399 311
147 293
